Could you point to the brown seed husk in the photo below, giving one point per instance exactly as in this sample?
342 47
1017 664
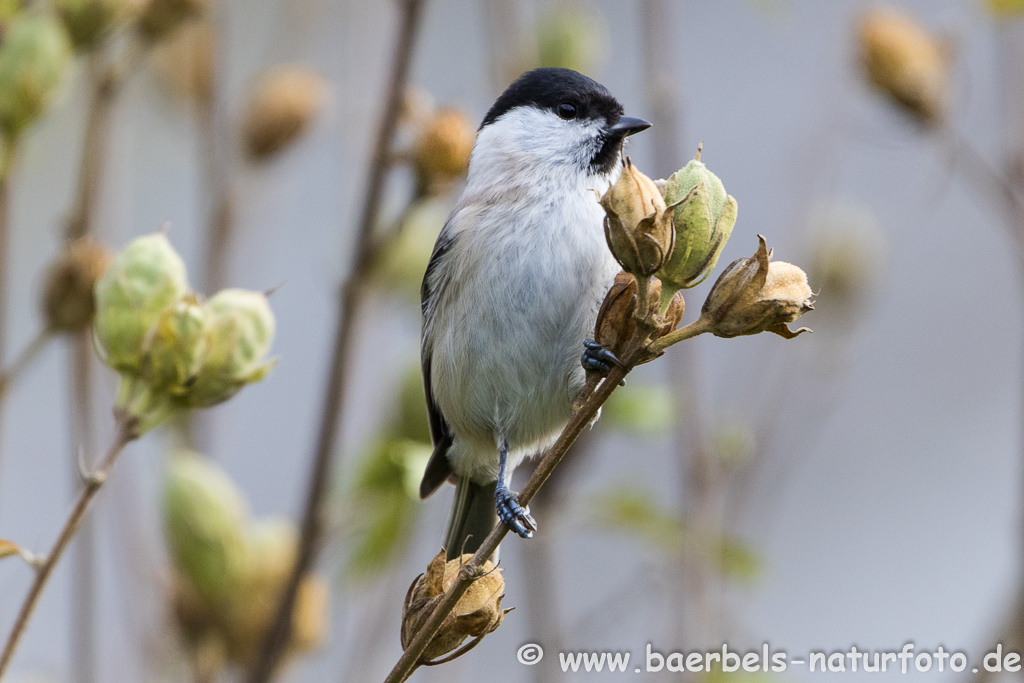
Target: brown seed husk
68 301
286 101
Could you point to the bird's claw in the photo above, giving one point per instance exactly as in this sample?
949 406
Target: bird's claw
513 515
597 358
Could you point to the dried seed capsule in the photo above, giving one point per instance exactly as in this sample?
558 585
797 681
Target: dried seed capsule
477 613
68 301
905 61
286 101
754 295
442 150
637 224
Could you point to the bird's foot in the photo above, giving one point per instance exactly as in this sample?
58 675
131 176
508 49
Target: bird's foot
597 358
512 514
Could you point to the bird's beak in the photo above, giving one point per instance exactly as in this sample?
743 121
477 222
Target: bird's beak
627 125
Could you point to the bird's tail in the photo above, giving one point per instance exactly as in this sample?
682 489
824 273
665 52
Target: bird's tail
473 516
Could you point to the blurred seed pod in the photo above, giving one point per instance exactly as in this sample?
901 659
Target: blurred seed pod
572 35
239 332
176 347
184 61
403 260
734 441
477 613
10 9
34 54
160 17
645 410
286 101
68 302
381 505
1005 9
205 517
846 261
89 21
906 62
442 150
271 549
145 279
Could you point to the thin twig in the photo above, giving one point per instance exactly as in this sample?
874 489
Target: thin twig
105 81
6 162
583 416
83 594
348 302
22 361
124 434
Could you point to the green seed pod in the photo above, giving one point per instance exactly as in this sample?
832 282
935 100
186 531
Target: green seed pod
144 280
703 222
176 346
89 21
34 54
205 517
240 331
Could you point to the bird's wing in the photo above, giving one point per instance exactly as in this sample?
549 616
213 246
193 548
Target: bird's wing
438 467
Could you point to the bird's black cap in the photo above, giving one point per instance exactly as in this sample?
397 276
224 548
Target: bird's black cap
548 87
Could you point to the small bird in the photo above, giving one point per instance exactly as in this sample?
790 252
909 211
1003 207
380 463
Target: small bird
512 292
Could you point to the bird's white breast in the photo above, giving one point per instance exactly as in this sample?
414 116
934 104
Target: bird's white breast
529 268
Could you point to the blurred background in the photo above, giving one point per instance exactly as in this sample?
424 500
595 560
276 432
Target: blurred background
858 486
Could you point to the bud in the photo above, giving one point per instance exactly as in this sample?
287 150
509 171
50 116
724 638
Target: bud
204 519
143 280
906 62
638 225
68 302
160 17
184 61
703 221
477 613
572 36
287 99
89 21
33 57
753 296
240 329
442 150
176 346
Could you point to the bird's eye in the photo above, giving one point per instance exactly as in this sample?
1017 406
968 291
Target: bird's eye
567 111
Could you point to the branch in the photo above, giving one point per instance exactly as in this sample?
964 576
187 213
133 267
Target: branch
349 300
124 434
22 361
470 571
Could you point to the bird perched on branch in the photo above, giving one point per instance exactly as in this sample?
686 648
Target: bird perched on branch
512 292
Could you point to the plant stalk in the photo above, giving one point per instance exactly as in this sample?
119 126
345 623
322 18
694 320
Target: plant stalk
348 303
124 434
582 416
